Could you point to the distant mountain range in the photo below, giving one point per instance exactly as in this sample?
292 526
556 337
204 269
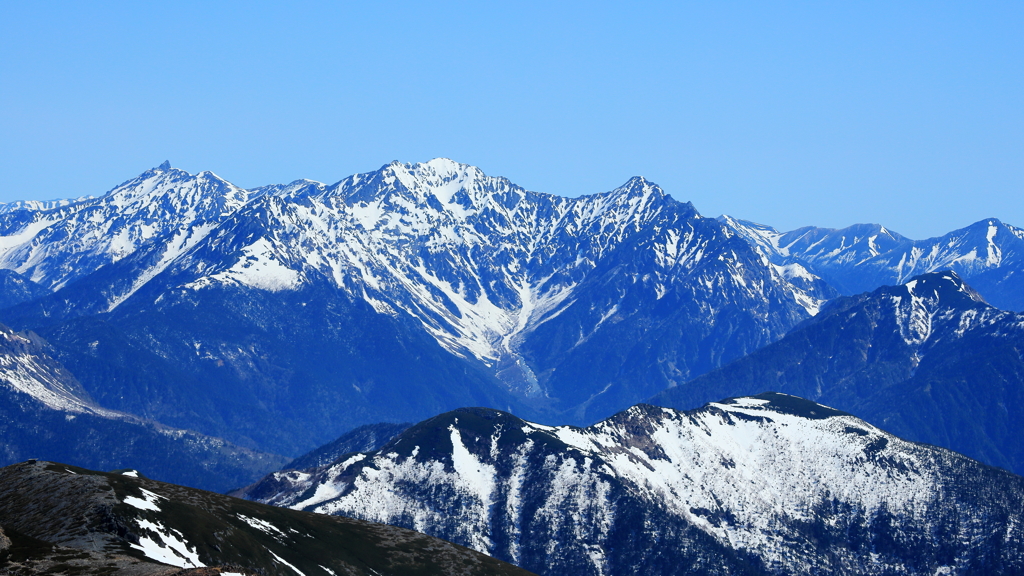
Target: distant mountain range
769 484
280 317
989 254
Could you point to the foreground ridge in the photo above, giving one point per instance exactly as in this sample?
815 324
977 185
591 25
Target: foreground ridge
764 484
63 519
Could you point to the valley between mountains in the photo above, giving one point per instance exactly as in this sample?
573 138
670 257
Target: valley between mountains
608 384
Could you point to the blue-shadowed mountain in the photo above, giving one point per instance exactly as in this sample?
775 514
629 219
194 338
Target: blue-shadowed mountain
15 289
45 413
365 438
928 360
989 254
282 316
770 484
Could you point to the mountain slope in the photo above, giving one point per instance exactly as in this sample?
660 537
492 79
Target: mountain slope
928 360
15 289
126 524
389 296
520 281
988 253
763 485
366 438
45 412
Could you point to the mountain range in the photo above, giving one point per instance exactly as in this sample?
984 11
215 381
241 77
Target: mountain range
280 317
201 305
989 254
204 333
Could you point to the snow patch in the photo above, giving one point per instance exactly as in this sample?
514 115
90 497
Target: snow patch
174 550
262 526
149 500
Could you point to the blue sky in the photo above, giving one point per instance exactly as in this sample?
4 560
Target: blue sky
910 114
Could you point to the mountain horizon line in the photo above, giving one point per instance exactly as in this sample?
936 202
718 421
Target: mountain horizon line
166 166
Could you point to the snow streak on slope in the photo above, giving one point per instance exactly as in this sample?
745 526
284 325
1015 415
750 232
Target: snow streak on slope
939 304
478 261
23 369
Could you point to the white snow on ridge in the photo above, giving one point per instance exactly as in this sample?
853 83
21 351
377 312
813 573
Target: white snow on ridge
262 526
181 242
71 240
767 469
330 487
29 374
24 235
259 266
149 501
173 549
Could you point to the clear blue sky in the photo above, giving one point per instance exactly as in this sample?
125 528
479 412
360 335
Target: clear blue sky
910 114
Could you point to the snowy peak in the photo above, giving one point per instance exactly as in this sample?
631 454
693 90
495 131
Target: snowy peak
436 184
928 303
442 177
945 288
862 257
163 209
167 187
757 476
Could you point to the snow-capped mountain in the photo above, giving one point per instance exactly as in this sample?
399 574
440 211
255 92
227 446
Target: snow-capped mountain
163 211
988 253
770 484
928 360
45 412
39 204
531 296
